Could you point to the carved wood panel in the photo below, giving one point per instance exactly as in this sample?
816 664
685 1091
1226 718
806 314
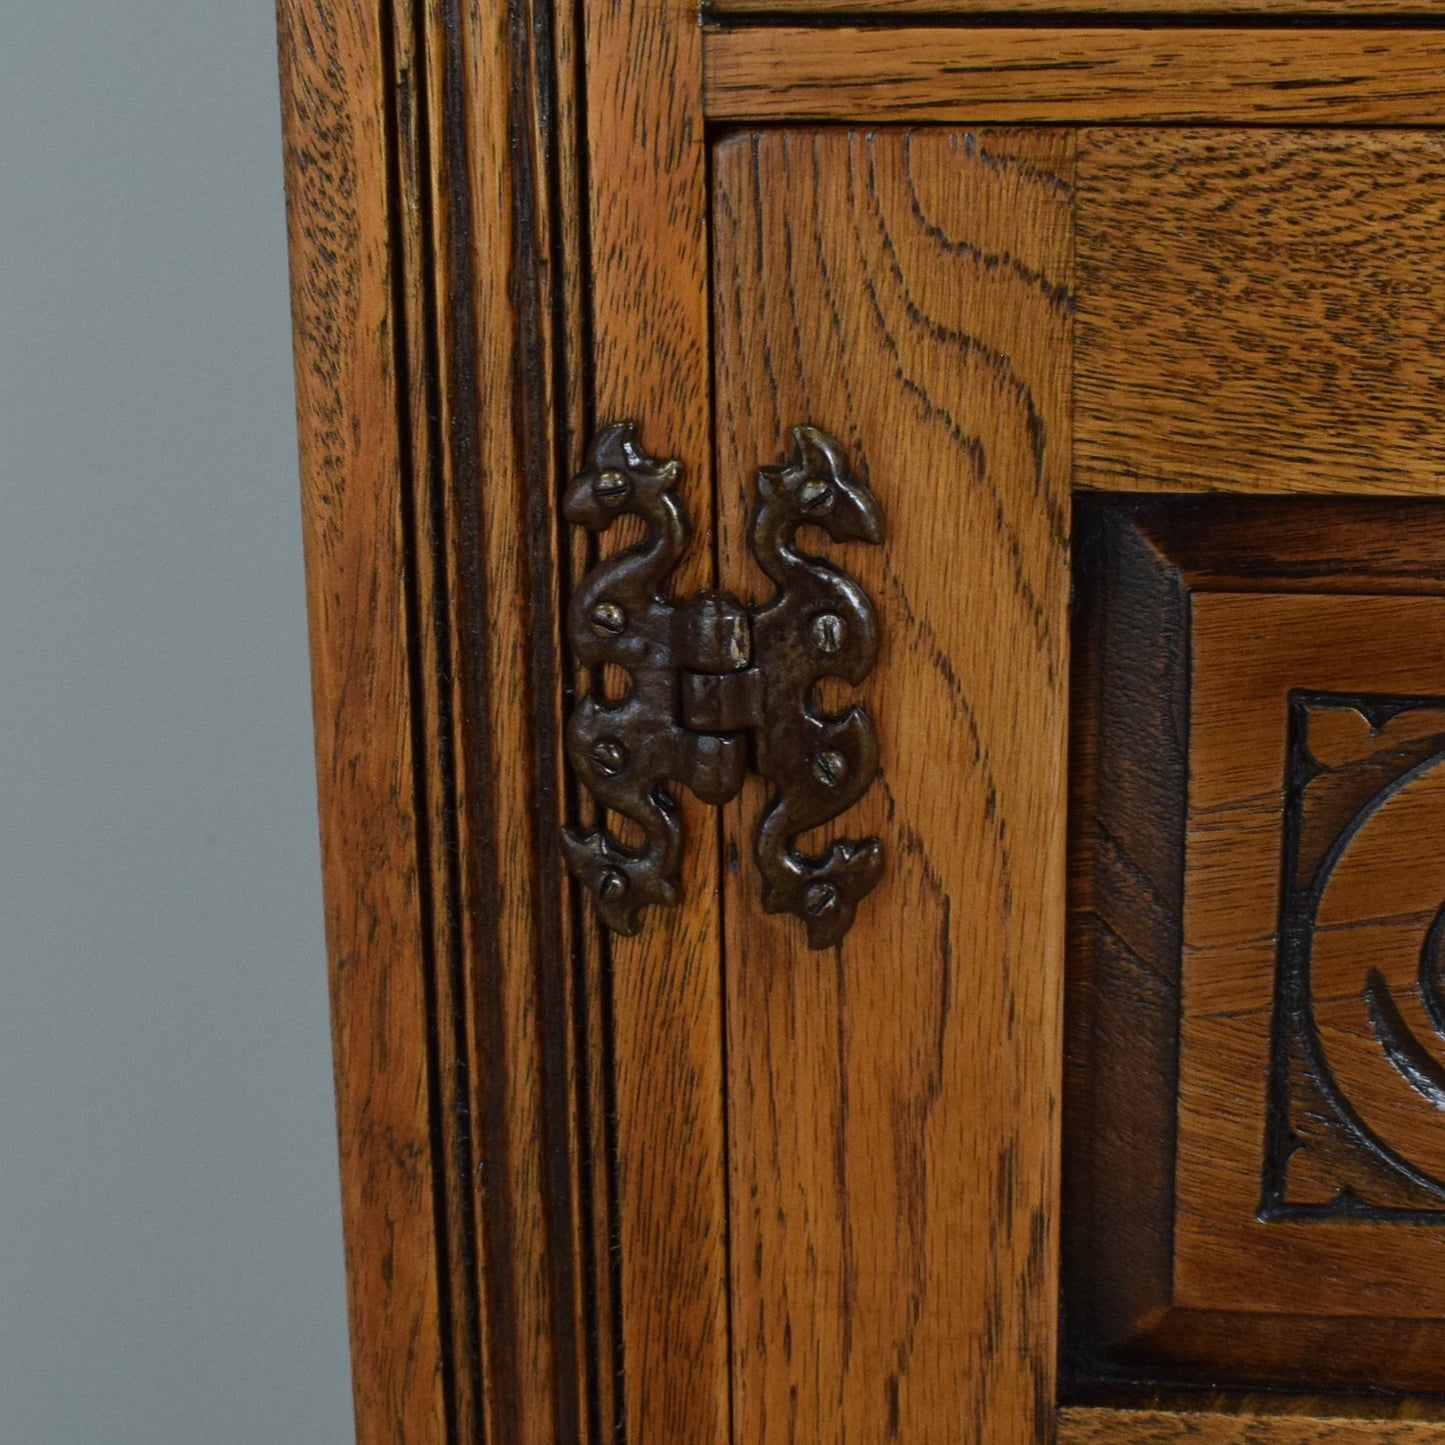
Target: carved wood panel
1356 1119
1255 1123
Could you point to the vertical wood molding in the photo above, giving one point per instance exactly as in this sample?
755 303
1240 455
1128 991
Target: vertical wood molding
335 90
497 314
646 165
894 1102
436 265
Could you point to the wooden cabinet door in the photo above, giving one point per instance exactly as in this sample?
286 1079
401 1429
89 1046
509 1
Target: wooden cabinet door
1115 1115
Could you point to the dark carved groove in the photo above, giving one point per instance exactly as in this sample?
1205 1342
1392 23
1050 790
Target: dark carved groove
710 676
1432 972
1414 1062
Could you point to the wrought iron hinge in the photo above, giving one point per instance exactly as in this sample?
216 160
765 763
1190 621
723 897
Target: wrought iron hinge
718 686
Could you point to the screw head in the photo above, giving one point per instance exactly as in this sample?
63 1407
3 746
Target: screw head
609 618
611 488
829 766
610 756
816 498
819 898
611 884
828 631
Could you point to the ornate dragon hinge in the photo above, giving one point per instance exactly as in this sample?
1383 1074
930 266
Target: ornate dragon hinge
717 684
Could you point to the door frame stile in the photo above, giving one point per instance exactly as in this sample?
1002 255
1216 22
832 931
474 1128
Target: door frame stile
421 132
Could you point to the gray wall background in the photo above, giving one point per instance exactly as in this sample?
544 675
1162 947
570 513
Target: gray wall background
170 1245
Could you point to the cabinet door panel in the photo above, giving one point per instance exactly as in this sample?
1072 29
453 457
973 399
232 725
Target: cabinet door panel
706 1185
892 1103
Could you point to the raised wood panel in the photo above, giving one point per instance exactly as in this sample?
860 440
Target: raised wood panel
1249 654
1258 311
1128 771
646 168
1162 76
1360 545
893 1102
1253 1157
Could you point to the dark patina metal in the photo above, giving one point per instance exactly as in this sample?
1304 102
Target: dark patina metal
718 685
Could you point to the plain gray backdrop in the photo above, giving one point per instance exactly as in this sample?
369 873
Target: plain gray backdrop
170 1240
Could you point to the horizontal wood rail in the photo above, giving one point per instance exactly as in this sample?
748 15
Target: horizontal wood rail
1089 1426
883 11
1002 75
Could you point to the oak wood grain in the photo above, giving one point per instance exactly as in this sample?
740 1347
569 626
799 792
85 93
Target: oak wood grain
1128 781
1162 76
646 166
334 92
1257 311
892 1175
893 1102
1098 1426
1368 545
557 127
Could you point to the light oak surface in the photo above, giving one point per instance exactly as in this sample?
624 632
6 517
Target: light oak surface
1162 76
1078 1426
1258 311
348 414
893 1103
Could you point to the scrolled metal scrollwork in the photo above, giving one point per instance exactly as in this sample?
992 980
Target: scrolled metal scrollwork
626 751
820 624
713 680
